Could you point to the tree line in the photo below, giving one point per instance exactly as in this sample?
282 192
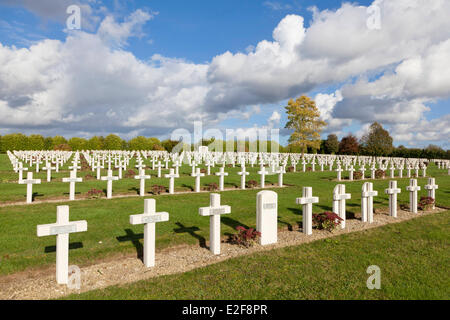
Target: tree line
375 143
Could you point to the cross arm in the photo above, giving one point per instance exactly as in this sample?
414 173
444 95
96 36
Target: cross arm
55 228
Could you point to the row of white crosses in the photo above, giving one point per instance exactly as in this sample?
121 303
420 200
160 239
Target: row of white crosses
266 220
367 195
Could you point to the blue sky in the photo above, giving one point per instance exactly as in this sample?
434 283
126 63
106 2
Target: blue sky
188 42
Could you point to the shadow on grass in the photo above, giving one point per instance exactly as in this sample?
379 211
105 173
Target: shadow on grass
296 211
35 195
72 246
135 240
192 232
188 187
233 223
137 190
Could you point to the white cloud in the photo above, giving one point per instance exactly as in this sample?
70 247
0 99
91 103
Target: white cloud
92 74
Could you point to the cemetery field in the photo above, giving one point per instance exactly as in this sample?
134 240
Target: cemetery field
110 234
413 257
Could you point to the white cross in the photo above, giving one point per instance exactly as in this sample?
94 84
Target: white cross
98 167
110 178
263 173
392 170
362 169
142 177
72 180
280 172
21 169
413 188
29 182
339 173
392 191
339 202
432 187
171 175
159 166
222 175
307 201
61 229
49 169
74 167
176 165
121 167
214 211
148 219
352 169
140 165
367 202
197 176
208 168
243 173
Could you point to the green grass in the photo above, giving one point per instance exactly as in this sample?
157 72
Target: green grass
109 232
413 256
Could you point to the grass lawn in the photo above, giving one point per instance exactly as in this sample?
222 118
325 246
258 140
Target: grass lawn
109 232
413 256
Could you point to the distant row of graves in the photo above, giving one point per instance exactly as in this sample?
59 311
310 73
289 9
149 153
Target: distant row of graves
269 164
266 201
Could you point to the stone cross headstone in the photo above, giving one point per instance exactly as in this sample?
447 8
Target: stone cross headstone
159 166
339 173
307 201
149 219
392 191
49 169
267 216
214 211
98 167
351 171
413 188
72 180
21 169
110 178
339 202
263 173
172 175
222 175
197 175
243 173
432 187
29 182
367 202
142 177
61 229
280 172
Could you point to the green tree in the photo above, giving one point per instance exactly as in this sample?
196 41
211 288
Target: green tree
113 142
36 142
169 144
95 143
332 144
58 140
377 142
304 119
349 145
48 143
139 143
14 141
78 144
